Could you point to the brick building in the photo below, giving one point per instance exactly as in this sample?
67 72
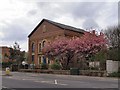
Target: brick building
4 54
47 31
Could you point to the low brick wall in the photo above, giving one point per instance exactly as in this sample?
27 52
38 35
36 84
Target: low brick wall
26 70
63 72
35 70
67 72
93 73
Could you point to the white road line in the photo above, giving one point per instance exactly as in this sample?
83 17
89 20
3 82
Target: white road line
9 77
45 81
8 88
27 79
50 82
4 87
62 84
16 78
12 89
37 81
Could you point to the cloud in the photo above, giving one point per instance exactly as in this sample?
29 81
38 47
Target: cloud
84 9
119 13
17 30
32 12
93 11
14 32
90 23
19 18
50 10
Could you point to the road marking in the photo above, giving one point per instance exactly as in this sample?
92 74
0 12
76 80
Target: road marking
16 78
50 82
8 88
12 89
37 81
62 84
4 87
9 77
45 81
22 78
28 79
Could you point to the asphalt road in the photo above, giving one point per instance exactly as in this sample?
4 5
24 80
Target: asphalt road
37 80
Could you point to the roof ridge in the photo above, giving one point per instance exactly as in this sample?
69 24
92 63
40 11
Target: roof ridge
60 25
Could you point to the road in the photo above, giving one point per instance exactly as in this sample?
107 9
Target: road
37 80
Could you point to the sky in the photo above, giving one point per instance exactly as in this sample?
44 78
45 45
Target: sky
18 18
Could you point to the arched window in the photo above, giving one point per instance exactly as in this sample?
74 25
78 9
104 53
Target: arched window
43 44
40 47
33 47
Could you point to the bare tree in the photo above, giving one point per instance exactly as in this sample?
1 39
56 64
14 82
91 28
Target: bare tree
113 36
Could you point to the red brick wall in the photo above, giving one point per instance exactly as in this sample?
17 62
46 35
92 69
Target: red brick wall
51 33
5 50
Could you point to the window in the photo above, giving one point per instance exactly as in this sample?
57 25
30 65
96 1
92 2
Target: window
39 60
33 47
43 44
44 59
40 47
48 61
32 57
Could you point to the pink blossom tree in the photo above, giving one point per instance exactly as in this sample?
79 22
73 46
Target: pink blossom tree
89 43
59 49
66 49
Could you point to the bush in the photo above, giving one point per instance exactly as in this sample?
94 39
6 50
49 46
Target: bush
6 64
93 68
56 66
44 66
14 67
114 74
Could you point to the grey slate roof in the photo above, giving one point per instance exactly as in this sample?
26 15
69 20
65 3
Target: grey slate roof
63 26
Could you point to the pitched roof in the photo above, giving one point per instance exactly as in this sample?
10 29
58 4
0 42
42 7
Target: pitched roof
63 26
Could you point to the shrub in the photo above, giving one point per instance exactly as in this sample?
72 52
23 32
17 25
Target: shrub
14 67
6 64
44 66
114 74
93 68
56 66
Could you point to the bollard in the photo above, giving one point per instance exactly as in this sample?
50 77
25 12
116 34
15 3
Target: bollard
55 81
7 71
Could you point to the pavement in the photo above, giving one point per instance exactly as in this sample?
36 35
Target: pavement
38 80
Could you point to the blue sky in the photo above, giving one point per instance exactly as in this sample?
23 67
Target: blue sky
19 17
